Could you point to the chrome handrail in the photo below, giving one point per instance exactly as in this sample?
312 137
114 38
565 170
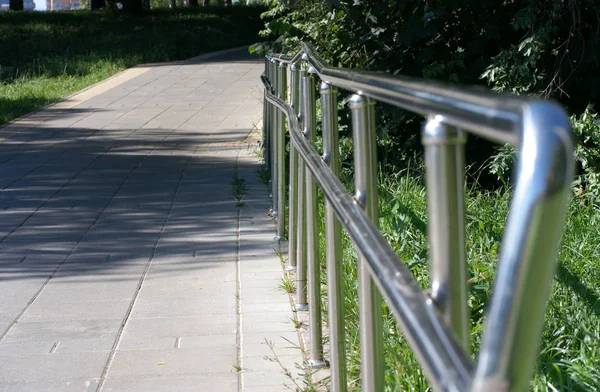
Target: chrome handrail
435 324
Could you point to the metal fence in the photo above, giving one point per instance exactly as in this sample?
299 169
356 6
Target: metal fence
436 323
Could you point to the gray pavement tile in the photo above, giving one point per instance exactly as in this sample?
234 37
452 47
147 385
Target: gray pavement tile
52 366
59 311
270 322
162 343
281 349
173 361
222 382
63 330
268 379
195 304
206 272
248 274
67 385
280 339
86 293
270 388
159 327
279 306
187 342
24 349
268 362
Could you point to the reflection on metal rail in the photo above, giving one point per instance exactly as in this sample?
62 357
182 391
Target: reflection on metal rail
436 325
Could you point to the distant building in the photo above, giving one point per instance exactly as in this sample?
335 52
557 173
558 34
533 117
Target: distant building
62 5
28 5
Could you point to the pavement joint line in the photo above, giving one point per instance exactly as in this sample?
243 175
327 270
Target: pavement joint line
127 317
240 320
54 347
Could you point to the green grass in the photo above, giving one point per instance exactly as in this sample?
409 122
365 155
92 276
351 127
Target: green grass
570 349
45 56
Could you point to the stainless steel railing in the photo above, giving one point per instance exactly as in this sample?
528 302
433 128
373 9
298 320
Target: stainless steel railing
435 324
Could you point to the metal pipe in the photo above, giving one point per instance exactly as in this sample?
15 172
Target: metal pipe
333 244
484 113
285 58
312 230
444 159
301 295
529 248
266 119
369 299
280 161
293 193
275 143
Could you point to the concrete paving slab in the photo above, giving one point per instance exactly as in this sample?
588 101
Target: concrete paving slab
52 366
59 311
160 327
62 330
225 382
69 385
173 361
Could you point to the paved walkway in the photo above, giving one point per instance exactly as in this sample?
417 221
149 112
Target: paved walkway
125 263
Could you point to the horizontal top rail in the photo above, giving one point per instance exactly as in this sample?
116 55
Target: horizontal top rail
541 132
284 58
487 114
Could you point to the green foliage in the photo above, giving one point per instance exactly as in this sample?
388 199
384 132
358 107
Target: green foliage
569 356
547 48
587 130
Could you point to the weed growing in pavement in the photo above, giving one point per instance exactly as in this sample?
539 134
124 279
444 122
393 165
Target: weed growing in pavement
279 254
287 284
303 382
264 175
237 368
238 189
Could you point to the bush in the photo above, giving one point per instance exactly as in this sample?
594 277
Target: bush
547 49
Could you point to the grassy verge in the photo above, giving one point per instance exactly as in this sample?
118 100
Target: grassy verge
570 351
45 56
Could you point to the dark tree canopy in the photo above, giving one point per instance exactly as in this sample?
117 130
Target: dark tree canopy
16 5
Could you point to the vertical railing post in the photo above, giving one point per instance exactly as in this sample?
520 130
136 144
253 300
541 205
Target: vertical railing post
312 229
301 298
365 169
513 328
274 143
293 193
444 158
266 119
333 244
280 159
